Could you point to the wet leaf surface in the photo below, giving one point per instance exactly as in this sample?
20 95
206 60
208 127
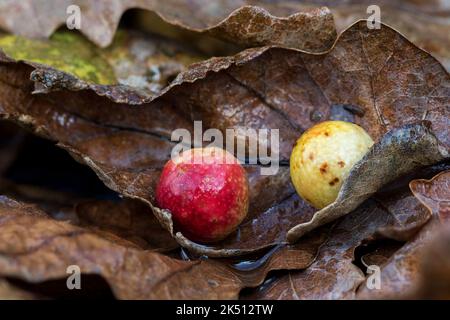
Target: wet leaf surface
114 109
333 275
131 220
410 215
258 88
381 254
400 273
434 194
38 248
404 274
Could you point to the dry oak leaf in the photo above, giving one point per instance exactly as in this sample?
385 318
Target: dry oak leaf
402 276
133 221
410 215
424 22
128 219
230 20
401 271
434 282
381 254
258 88
333 275
434 194
36 248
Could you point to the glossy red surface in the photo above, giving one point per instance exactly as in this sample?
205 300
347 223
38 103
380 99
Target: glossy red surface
208 197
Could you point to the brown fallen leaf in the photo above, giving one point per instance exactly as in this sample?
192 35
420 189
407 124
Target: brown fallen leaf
434 280
434 194
258 88
233 21
410 215
333 275
120 166
425 23
133 221
128 219
402 275
400 272
37 248
381 254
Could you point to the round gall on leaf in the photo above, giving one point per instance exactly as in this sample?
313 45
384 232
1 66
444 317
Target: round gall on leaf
323 157
206 190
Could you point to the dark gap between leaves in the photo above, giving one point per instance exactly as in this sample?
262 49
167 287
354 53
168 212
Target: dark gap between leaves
149 22
388 247
402 183
42 164
252 293
243 264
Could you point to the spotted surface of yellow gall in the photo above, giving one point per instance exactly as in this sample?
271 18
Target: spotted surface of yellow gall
323 157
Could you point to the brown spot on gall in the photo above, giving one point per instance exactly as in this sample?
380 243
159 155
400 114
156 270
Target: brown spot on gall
327 133
323 168
341 164
333 182
311 156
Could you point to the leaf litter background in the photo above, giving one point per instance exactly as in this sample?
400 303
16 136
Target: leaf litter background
96 109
